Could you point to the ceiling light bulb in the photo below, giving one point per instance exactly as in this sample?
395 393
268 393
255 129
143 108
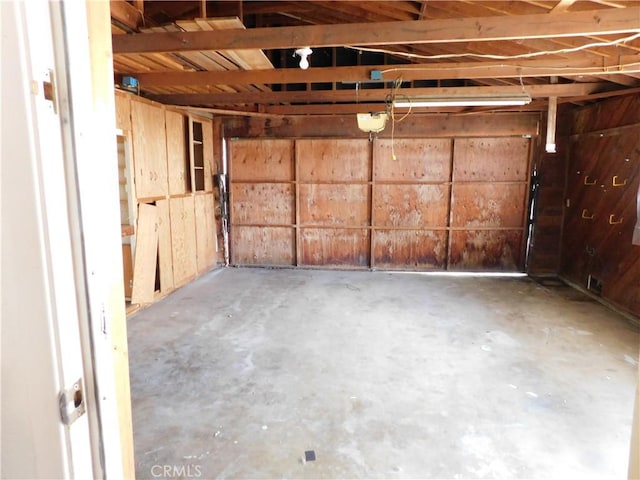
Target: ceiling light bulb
303 53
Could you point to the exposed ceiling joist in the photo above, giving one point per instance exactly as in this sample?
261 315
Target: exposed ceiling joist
432 71
517 27
562 6
317 96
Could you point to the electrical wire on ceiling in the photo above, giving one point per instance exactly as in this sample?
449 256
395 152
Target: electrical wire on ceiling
583 70
611 43
390 107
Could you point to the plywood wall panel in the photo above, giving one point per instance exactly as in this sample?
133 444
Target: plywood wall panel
413 206
123 111
488 205
177 153
263 203
262 246
486 250
334 205
491 159
149 150
261 160
608 114
409 249
417 160
327 160
334 247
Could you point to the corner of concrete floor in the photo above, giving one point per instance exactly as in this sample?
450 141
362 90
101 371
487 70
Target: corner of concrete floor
381 375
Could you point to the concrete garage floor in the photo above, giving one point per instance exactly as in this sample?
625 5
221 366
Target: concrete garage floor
382 375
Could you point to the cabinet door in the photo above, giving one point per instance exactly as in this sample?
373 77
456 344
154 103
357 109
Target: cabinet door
165 254
205 232
176 154
149 150
183 239
207 144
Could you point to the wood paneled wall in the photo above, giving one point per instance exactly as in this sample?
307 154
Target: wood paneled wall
549 200
175 237
602 187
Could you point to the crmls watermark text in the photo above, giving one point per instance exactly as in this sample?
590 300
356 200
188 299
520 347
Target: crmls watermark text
176 471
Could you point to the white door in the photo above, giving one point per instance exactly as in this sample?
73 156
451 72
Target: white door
58 395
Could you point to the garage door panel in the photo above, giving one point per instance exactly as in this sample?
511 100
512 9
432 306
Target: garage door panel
486 250
491 159
334 205
488 205
262 245
322 160
409 249
263 203
334 247
417 206
261 160
417 160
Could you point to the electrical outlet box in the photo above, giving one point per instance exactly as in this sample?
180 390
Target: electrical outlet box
130 82
594 285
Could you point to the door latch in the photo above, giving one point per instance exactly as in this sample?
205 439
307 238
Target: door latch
72 404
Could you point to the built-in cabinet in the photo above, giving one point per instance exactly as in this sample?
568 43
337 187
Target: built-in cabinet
172 161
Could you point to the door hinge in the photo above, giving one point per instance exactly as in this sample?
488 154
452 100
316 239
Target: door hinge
72 404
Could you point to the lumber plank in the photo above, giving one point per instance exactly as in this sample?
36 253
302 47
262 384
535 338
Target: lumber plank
517 27
418 71
414 126
144 268
316 96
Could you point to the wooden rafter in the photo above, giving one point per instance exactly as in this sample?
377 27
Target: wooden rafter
380 95
595 22
434 71
562 6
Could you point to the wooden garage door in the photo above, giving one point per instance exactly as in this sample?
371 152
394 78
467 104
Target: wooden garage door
262 197
442 204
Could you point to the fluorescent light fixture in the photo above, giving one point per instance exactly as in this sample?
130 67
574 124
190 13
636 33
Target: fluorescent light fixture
462 101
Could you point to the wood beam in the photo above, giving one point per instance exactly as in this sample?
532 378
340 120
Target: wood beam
594 22
562 6
125 14
427 71
367 95
423 126
353 108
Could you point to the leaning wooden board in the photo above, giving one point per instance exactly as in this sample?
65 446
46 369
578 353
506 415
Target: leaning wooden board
144 268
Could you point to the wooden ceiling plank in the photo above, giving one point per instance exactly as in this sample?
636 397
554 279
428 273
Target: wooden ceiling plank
596 22
619 79
423 10
362 11
562 6
364 95
467 8
433 71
